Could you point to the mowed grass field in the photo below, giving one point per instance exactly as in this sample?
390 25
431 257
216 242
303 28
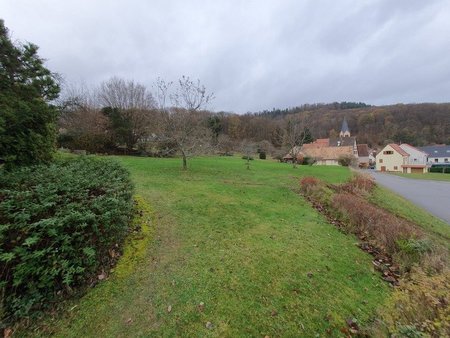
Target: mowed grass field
243 243
427 176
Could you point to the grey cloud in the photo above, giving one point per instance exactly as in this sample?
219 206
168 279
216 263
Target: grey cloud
255 54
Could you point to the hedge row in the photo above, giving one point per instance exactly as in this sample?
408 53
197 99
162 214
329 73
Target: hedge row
440 169
59 225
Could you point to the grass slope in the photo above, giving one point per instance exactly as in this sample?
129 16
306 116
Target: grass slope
245 244
427 176
435 227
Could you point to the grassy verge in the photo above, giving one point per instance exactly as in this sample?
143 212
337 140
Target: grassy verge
436 228
102 308
406 252
236 252
427 176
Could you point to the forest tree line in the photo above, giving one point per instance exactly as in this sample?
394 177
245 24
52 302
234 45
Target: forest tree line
417 124
122 116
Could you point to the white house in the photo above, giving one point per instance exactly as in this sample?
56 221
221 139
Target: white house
416 156
438 153
402 158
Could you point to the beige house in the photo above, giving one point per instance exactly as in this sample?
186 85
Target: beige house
327 155
396 158
328 151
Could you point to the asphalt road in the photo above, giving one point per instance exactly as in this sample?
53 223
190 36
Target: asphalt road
433 196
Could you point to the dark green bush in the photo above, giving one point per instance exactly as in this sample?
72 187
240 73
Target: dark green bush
346 160
250 158
58 225
440 169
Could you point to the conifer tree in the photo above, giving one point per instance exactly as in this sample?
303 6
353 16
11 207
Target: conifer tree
27 117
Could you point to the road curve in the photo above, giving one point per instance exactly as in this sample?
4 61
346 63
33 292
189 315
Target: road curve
433 196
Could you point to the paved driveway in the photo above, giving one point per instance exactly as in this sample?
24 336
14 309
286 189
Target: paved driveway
433 196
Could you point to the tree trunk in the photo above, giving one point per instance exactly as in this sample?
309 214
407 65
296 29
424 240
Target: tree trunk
184 160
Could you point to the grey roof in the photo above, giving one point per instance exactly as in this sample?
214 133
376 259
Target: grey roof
345 126
441 150
342 141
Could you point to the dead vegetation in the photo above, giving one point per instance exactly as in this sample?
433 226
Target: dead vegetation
406 257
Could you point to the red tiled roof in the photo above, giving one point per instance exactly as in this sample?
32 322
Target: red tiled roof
398 149
363 150
322 140
319 143
328 153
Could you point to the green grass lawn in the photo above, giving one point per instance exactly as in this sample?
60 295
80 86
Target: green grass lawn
245 244
427 176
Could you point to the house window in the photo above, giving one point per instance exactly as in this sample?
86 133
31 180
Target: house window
395 167
446 160
436 160
388 152
380 160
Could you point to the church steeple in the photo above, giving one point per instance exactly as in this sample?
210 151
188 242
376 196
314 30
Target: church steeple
345 131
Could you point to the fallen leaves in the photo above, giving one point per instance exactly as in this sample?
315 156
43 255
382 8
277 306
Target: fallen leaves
101 276
7 333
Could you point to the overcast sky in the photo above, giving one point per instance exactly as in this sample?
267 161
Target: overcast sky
253 55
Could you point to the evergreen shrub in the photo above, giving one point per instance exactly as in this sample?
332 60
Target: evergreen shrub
59 225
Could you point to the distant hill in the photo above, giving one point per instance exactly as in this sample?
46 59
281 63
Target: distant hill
417 124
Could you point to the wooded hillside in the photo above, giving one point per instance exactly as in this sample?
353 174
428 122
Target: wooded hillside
417 124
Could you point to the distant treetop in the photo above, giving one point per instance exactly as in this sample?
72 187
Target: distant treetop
311 107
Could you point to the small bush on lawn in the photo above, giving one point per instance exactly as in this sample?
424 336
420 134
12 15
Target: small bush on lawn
346 160
59 225
307 161
309 184
359 184
316 190
249 158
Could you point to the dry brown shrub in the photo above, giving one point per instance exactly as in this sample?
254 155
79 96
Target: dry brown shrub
420 303
309 184
316 191
360 184
435 261
380 227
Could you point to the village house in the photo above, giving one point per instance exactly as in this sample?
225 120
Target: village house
327 151
402 158
363 155
437 154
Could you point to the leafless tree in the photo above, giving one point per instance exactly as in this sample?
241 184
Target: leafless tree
248 149
125 95
226 145
135 104
184 122
81 121
191 95
295 135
